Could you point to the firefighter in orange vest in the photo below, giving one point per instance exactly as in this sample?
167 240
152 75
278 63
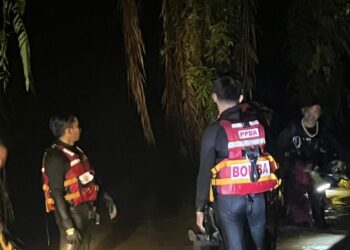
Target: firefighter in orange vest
69 184
235 169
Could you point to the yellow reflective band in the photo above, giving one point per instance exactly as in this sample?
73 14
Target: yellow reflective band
72 196
228 163
219 182
70 182
46 187
211 194
50 201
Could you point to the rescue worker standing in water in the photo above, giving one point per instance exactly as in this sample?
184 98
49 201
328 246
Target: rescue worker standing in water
235 169
69 184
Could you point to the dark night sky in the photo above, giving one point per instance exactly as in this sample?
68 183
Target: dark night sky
76 50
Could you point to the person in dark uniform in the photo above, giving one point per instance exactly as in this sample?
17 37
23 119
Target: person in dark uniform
70 184
306 146
232 160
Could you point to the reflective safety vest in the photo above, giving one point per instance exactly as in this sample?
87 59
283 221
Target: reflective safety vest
79 184
248 168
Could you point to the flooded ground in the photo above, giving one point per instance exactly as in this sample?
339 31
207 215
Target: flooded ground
158 228
337 216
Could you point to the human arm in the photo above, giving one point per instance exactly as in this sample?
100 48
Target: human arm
207 161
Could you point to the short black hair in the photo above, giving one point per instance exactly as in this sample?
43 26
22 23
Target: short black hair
228 87
310 100
59 123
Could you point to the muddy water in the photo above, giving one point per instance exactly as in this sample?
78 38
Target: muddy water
160 231
337 216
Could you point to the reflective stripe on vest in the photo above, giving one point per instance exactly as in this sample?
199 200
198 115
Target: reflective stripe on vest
231 176
237 181
79 191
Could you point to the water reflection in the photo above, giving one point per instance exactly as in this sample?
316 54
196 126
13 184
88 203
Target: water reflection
337 216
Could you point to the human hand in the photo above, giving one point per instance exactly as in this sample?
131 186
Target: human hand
111 207
200 221
73 236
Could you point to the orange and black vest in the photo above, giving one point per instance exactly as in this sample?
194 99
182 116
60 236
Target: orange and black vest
249 169
79 184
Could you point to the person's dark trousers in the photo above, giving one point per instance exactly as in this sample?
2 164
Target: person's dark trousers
80 217
233 212
317 202
299 182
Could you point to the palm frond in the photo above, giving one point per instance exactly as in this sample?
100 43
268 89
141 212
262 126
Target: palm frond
12 16
21 6
134 49
4 72
202 39
23 44
6 211
172 22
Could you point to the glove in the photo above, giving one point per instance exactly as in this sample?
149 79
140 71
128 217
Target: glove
111 207
73 236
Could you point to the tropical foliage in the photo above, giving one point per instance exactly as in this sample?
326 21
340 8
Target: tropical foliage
12 22
135 50
203 39
318 48
6 212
